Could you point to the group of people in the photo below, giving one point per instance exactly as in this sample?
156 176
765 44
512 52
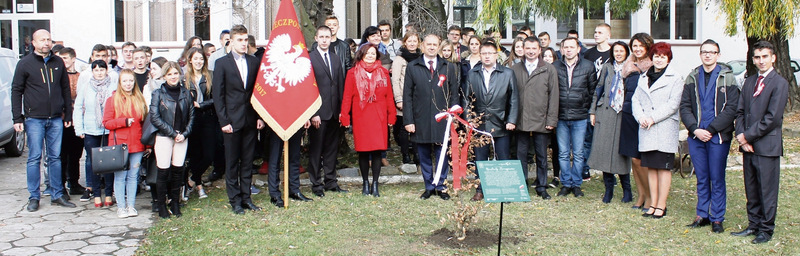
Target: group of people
622 101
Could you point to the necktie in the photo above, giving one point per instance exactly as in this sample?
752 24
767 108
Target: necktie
759 86
430 66
327 63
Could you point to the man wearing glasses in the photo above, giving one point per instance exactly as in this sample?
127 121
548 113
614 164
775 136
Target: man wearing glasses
491 90
454 35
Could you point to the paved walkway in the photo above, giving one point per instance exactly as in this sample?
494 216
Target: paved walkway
55 230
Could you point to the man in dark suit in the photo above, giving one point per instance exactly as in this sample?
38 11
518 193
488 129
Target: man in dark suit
759 121
324 136
232 86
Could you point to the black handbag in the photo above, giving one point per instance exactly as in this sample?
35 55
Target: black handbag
149 132
151 171
109 159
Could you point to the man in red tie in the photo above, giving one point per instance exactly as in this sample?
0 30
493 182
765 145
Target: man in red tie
759 121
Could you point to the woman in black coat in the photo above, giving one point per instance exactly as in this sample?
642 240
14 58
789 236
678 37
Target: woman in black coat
172 113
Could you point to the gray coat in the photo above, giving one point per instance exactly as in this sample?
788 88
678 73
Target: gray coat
605 142
538 97
660 102
499 105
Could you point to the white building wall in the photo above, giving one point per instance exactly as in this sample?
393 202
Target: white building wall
82 24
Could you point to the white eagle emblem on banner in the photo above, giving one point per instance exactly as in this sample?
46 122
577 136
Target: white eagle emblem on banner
285 65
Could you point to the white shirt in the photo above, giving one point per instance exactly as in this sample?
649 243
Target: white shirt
487 75
530 66
241 63
326 58
433 66
766 73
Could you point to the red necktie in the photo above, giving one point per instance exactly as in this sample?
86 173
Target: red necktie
430 66
759 86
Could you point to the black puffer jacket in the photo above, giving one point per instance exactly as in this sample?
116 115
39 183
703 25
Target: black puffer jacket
45 87
162 111
574 101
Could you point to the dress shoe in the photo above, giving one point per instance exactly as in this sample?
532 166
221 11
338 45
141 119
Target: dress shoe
716 227
577 191
33 205
406 159
648 214
658 216
251 206
61 202
427 194
564 191
762 237
276 201
746 232
76 189
337 189
544 195
319 193
443 195
477 197
699 222
299 197
237 209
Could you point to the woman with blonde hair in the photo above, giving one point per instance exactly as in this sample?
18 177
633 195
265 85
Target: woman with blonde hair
124 115
172 113
446 50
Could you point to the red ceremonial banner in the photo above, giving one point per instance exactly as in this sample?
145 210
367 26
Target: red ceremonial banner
285 94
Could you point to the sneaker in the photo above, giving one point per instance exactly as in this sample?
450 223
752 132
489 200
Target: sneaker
87 195
564 191
554 183
46 192
201 193
185 194
122 213
254 190
586 175
132 212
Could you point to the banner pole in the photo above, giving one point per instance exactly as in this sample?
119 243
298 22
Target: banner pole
285 174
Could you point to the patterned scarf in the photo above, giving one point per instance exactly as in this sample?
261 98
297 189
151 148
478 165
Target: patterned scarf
366 85
617 95
102 92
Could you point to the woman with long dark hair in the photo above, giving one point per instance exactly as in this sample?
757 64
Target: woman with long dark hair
369 99
193 42
123 116
172 113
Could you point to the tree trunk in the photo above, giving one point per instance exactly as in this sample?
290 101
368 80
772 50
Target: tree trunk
782 65
311 14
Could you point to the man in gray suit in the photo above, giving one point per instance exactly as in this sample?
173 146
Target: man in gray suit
759 121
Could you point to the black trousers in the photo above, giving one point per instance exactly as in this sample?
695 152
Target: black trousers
323 145
539 141
554 156
204 145
275 157
402 138
71 151
239 147
761 179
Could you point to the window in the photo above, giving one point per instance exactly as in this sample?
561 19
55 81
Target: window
44 6
197 20
162 21
5 33
620 24
564 26
6 6
674 19
465 12
590 20
26 29
522 18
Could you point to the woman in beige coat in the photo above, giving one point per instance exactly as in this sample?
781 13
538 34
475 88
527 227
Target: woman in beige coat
408 52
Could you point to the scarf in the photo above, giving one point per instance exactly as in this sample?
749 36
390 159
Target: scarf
631 66
102 93
617 95
409 56
653 75
366 85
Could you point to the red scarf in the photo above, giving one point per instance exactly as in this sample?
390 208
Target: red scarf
366 85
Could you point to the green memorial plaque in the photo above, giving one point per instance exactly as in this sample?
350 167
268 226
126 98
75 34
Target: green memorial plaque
502 181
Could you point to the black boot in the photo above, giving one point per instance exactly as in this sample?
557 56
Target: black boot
162 179
162 209
609 181
176 185
625 182
175 204
365 191
375 192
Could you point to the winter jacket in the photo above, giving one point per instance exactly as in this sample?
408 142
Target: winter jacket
162 111
660 102
499 105
44 83
119 131
574 100
84 118
725 103
538 97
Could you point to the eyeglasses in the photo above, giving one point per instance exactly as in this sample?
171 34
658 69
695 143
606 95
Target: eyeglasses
488 53
708 52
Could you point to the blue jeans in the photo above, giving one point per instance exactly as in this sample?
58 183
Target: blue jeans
709 160
125 181
426 153
571 135
44 132
89 142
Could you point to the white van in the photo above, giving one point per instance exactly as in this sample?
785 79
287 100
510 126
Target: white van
13 142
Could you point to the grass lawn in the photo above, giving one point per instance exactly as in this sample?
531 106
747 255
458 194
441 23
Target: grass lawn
399 223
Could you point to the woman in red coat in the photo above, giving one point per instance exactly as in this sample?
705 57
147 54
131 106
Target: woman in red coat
123 118
368 95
